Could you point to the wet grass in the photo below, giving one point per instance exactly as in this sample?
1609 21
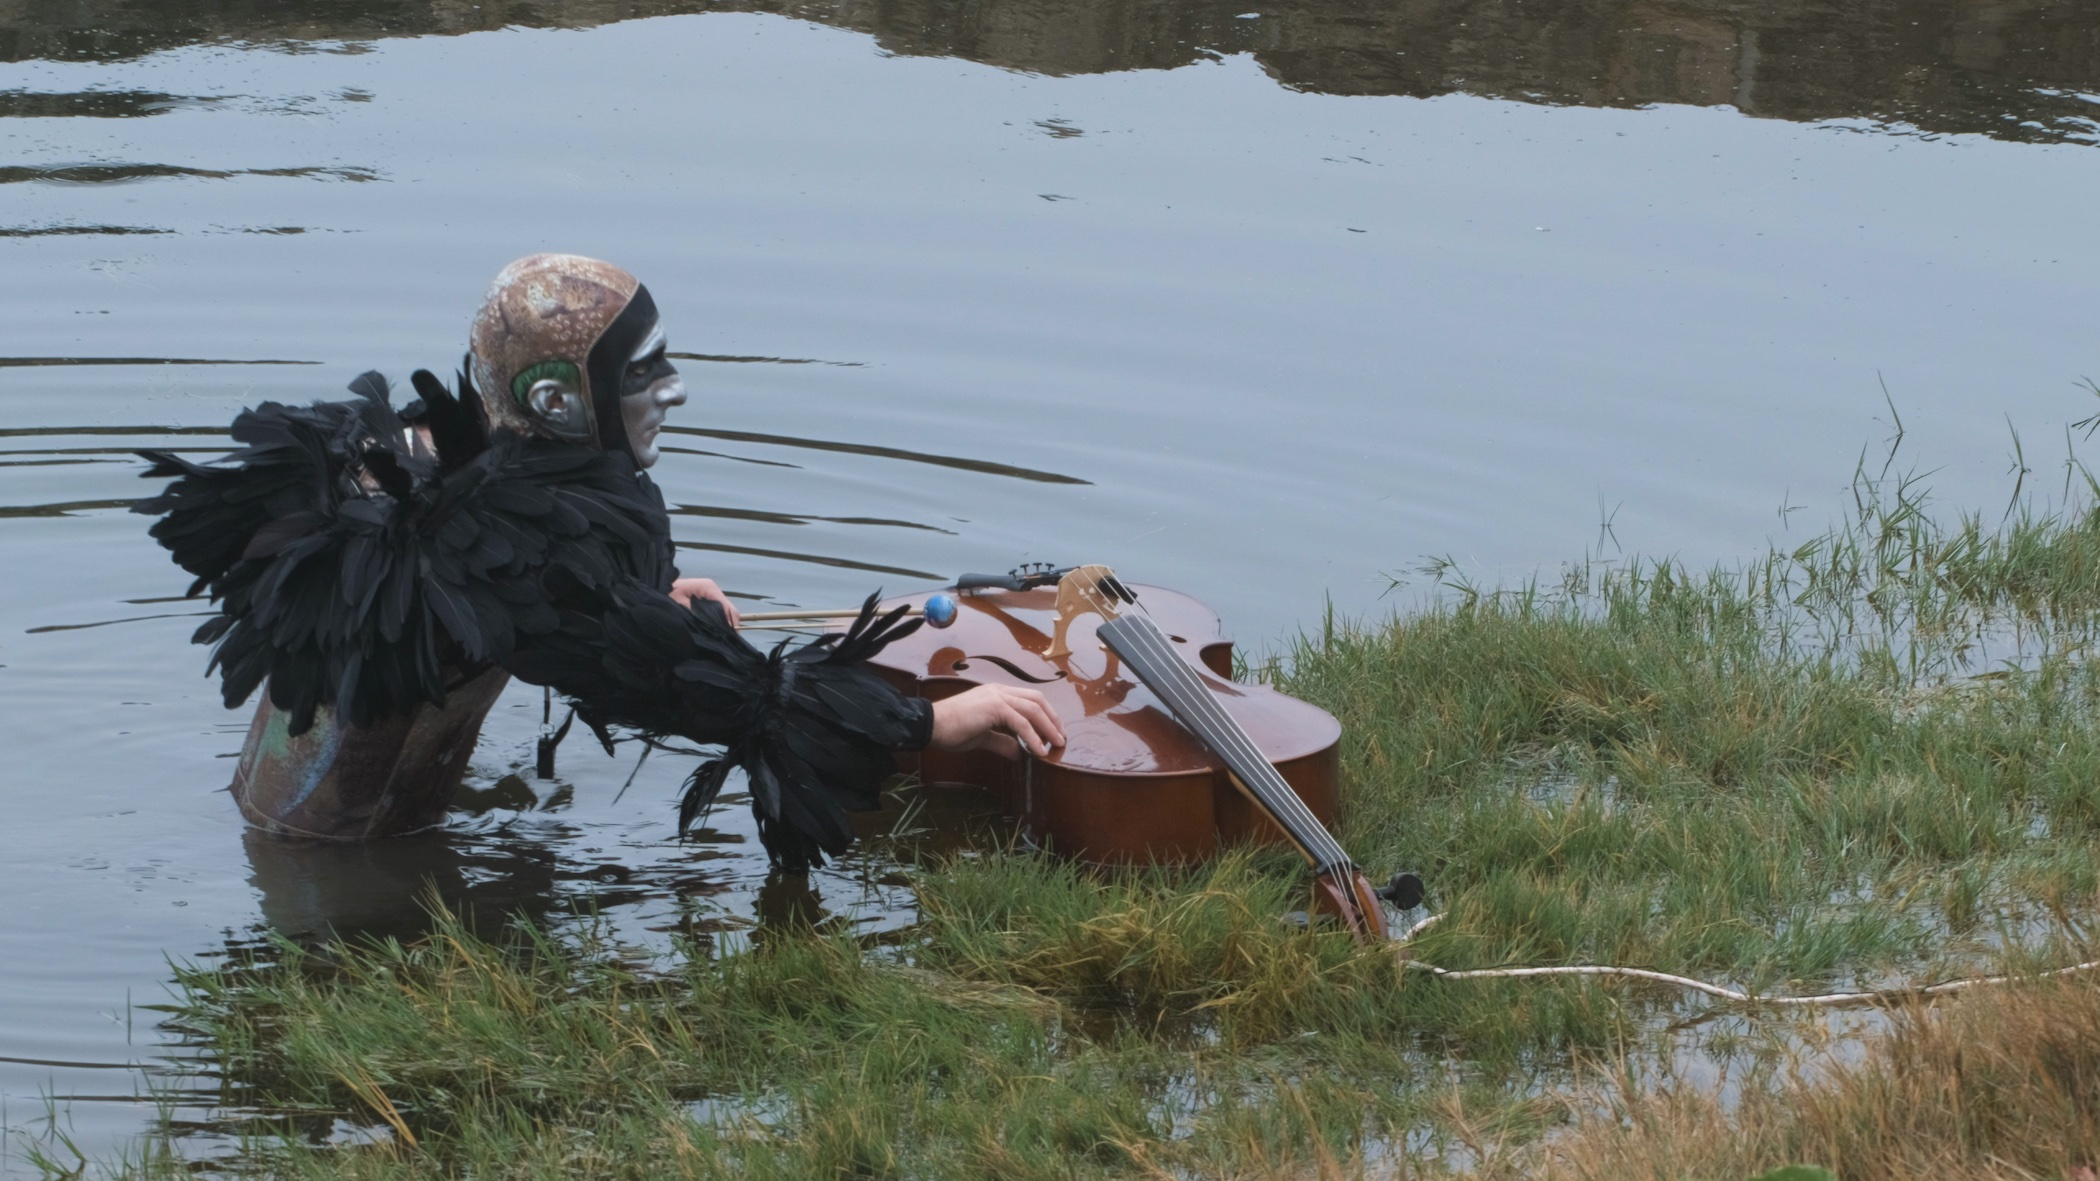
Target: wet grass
1868 758
807 1057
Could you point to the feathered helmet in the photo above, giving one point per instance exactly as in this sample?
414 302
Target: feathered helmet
556 342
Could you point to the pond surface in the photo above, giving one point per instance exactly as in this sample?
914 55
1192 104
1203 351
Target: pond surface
1268 303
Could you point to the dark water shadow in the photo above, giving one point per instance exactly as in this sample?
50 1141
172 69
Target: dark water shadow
70 231
66 509
959 463
730 358
763 516
100 174
670 450
314 890
811 559
63 362
48 628
96 104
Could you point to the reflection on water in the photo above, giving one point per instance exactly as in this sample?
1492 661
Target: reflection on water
2026 70
93 104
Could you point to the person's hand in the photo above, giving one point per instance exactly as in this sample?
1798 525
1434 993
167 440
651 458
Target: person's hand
685 590
996 717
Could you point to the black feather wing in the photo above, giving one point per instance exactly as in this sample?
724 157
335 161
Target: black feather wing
356 569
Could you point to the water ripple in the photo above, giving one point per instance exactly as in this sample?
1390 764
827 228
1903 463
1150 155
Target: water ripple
65 509
78 231
949 461
38 362
99 174
812 559
775 518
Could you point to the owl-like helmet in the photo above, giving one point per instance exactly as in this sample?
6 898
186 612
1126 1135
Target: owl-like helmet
571 348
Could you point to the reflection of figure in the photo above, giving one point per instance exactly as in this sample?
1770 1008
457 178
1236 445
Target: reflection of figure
313 889
787 905
384 572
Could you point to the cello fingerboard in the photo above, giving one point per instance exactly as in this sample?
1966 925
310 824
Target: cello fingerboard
1149 654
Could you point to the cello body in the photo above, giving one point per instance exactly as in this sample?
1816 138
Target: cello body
1131 785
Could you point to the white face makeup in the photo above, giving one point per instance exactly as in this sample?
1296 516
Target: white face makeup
644 411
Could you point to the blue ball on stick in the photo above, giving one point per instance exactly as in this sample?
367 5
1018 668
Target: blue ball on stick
940 610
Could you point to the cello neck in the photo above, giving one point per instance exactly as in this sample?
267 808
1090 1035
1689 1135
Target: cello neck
1150 655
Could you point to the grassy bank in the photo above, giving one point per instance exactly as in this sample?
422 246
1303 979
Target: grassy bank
1866 759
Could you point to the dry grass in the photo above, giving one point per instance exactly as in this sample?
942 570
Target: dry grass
1997 1086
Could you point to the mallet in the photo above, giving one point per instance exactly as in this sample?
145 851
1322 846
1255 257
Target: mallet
939 612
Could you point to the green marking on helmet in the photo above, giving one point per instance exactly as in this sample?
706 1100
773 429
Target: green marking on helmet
563 372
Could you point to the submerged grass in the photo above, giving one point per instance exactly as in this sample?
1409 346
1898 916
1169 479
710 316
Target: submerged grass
1869 758
799 1058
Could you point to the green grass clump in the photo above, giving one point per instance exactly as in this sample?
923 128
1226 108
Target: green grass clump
549 1056
1701 775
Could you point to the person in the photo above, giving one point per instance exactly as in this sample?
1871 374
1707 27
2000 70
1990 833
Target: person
385 573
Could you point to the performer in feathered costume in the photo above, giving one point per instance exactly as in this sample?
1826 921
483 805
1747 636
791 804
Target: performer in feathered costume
385 573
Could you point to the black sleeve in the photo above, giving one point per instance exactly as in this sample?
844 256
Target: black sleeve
921 724
814 728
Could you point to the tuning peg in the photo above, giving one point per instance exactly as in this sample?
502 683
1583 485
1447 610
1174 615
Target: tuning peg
1404 890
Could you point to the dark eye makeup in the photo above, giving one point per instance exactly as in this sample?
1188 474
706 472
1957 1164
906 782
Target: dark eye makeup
640 375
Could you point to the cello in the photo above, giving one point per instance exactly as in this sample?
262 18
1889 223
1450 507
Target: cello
1166 758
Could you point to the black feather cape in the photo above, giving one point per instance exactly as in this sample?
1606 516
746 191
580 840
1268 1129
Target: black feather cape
358 569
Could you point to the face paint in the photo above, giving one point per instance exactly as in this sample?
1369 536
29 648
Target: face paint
645 413
649 387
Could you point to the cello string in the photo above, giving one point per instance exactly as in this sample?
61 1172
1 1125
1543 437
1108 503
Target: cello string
1221 730
1204 713
1257 774
1200 697
1260 776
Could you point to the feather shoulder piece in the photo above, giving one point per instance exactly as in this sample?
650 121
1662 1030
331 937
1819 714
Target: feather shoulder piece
361 564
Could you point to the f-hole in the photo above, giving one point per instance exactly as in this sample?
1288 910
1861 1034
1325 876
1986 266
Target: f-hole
1013 669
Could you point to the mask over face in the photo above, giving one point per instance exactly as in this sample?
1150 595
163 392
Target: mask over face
571 348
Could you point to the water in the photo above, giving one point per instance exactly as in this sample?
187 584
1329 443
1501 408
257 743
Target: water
1269 304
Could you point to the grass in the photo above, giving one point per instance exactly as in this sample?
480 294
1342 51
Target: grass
800 1058
1997 1087
1869 758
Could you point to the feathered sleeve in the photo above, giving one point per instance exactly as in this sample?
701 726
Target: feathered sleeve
813 726
356 567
